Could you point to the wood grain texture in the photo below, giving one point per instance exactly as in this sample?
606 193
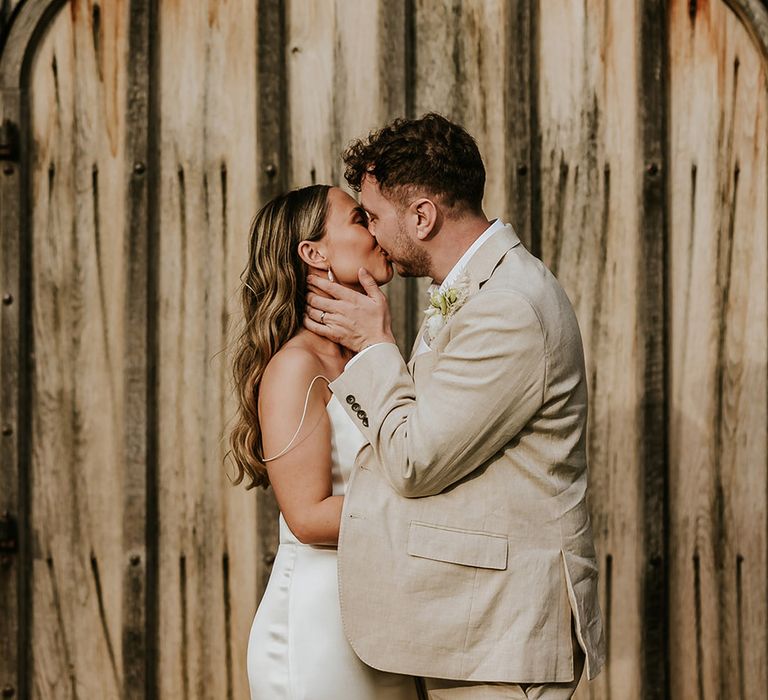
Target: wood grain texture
522 121
78 86
347 65
396 70
139 479
208 193
753 15
590 188
140 208
718 276
460 71
332 97
653 316
273 165
7 10
14 403
17 43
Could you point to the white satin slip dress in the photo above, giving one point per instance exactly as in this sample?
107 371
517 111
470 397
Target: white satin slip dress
297 649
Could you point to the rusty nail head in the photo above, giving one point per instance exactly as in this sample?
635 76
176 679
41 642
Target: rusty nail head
135 559
522 169
7 430
271 169
8 170
139 168
9 691
653 169
7 299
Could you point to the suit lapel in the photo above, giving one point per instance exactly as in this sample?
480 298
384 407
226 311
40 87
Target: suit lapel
416 344
479 268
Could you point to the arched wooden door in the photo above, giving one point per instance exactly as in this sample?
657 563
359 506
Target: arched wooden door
625 140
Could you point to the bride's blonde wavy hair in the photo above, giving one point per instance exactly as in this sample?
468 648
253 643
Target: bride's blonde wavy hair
273 298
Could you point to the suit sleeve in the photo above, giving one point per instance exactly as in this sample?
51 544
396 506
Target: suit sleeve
355 358
487 383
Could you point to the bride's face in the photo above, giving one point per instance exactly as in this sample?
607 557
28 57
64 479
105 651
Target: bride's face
348 243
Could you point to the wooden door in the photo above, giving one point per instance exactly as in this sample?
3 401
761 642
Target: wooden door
625 141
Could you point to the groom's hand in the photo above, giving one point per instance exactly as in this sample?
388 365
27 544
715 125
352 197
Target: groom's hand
355 320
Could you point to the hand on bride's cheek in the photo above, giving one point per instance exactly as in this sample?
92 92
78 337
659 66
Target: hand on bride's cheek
349 243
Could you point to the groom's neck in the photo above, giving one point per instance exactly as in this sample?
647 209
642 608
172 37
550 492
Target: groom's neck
452 241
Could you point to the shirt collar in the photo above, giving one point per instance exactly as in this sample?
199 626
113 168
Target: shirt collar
458 268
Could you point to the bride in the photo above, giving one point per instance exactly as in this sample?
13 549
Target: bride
292 434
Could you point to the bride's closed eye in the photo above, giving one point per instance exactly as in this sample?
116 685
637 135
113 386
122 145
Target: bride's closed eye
360 217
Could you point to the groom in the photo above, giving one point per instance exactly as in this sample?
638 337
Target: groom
465 552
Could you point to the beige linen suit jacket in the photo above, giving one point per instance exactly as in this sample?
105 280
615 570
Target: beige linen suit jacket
465 544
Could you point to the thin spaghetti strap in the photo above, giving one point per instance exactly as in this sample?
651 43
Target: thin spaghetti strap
303 415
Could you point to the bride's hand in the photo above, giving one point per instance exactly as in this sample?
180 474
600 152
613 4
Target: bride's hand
352 319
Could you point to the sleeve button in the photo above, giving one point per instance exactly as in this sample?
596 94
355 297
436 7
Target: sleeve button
365 422
355 406
350 399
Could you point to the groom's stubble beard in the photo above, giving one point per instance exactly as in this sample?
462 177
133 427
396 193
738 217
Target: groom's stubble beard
412 260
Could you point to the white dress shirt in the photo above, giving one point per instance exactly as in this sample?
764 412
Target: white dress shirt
450 278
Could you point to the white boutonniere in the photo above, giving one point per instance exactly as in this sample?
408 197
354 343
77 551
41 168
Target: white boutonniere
443 305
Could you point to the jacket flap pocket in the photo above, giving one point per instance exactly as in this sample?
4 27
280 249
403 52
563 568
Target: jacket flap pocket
485 550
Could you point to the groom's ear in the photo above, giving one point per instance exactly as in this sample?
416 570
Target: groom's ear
311 254
426 213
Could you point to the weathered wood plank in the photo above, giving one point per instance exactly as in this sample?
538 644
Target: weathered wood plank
753 15
652 314
274 165
332 98
461 49
347 70
355 99
83 459
395 58
8 9
718 287
460 71
521 92
15 347
590 238
107 27
209 190
14 439
272 95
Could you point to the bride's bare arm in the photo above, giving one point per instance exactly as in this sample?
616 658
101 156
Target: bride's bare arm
301 478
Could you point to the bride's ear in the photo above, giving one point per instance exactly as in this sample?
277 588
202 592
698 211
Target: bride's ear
312 255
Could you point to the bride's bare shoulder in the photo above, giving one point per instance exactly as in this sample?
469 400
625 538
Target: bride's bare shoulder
288 374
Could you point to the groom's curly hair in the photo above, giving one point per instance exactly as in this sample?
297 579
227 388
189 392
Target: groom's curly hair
430 154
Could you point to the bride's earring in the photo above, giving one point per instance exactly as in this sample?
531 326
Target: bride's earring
330 275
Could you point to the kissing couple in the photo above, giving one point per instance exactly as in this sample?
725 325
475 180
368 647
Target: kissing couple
435 540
